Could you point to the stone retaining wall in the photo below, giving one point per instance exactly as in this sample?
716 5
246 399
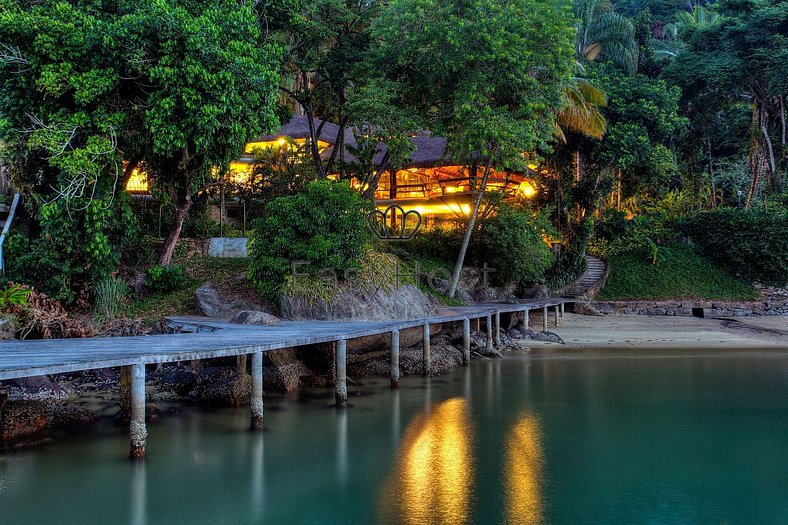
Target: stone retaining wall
685 308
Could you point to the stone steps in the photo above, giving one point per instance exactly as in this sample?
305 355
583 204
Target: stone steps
595 271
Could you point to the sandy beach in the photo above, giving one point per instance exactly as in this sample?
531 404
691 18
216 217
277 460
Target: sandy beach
640 331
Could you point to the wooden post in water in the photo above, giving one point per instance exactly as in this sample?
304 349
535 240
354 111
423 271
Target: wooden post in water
498 329
394 359
340 387
544 319
490 347
527 318
257 391
138 432
557 322
466 342
426 361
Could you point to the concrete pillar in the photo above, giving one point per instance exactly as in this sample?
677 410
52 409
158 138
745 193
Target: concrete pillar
527 318
427 362
138 432
241 364
340 386
478 324
562 309
490 347
544 319
498 329
466 342
394 369
557 322
257 391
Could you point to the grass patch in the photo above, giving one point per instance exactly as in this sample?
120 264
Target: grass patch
439 268
682 273
224 273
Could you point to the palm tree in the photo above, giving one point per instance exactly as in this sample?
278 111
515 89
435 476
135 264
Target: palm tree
581 113
604 33
697 17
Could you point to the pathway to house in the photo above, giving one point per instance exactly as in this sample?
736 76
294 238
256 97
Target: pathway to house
216 339
592 280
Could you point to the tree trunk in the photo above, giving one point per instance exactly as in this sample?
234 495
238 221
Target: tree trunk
455 278
181 211
711 175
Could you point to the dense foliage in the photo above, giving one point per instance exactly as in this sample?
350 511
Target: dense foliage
749 243
512 242
76 247
324 227
175 87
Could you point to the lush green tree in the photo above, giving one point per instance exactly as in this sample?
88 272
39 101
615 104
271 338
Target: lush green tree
512 238
488 75
739 58
324 226
642 115
603 33
176 86
326 43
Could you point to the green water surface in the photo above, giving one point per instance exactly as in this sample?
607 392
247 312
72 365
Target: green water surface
606 439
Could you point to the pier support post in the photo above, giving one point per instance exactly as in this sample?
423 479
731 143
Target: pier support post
478 324
562 309
544 319
257 391
340 388
466 342
557 321
498 329
427 360
137 430
394 369
490 347
527 318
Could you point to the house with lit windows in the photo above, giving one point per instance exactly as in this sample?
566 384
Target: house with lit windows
430 181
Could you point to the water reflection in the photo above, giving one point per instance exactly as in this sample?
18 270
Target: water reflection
342 448
139 485
433 476
258 474
524 459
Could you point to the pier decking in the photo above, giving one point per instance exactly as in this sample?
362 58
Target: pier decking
216 339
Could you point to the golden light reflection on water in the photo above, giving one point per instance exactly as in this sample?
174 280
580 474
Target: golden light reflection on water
524 459
433 479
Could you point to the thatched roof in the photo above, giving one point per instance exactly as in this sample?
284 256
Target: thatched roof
298 128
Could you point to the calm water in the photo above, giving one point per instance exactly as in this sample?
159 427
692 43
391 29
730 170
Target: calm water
521 440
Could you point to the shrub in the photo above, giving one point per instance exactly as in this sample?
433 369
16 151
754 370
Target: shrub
511 242
13 295
109 296
749 243
164 279
325 225
614 234
80 244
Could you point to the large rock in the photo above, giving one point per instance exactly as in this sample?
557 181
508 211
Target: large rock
405 302
27 406
211 303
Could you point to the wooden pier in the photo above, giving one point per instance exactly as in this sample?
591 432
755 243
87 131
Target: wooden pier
218 339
